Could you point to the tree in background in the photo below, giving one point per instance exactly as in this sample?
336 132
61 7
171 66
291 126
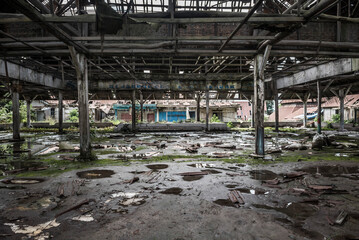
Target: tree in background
74 115
6 111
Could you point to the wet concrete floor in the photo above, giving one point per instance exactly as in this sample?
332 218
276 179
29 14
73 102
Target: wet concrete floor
45 194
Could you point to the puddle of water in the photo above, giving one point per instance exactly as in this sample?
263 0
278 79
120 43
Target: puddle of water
192 178
256 191
174 191
211 171
331 171
297 211
262 175
157 166
93 174
137 172
23 180
225 202
231 185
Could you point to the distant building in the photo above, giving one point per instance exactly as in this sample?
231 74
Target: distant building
292 110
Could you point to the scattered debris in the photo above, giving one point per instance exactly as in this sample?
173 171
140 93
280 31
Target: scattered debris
220 155
86 201
49 150
271 151
275 181
295 146
133 180
294 174
83 218
341 217
321 187
232 147
32 231
236 197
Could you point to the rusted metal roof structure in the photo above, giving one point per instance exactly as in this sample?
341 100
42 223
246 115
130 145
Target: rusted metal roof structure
165 47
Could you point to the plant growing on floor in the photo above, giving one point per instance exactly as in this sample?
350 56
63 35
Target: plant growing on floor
52 121
215 119
230 125
336 118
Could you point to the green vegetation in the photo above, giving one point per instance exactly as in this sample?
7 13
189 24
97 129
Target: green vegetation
336 118
230 125
6 111
140 148
74 115
215 119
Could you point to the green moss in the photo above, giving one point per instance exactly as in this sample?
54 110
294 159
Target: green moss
105 151
172 157
238 129
141 148
316 156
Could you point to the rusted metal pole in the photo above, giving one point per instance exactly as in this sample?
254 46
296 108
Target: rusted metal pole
61 112
198 113
259 104
341 100
319 115
276 111
305 113
15 115
133 110
141 106
207 110
28 113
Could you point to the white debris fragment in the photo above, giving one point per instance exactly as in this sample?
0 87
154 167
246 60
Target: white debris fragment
33 231
84 218
123 194
132 201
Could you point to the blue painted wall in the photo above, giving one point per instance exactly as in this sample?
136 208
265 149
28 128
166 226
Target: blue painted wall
172 116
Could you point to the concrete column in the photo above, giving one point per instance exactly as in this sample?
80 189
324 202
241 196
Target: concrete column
61 113
187 114
341 100
28 113
15 116
259 104
141 106
276 105
207 111
198 109
305 113
80 62
252 111
158 115
355 117
133 110
319 116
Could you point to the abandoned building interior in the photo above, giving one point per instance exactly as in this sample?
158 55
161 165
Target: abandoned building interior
179 119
